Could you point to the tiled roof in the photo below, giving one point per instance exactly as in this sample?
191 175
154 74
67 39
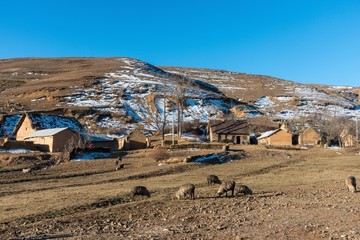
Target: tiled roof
230 127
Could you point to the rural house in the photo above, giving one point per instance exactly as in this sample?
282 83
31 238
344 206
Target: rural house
309 137
52 139
134 140
235 131
31 122
347 139
47 131
277 137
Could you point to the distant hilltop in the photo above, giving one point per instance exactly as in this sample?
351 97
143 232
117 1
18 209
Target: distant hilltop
121 93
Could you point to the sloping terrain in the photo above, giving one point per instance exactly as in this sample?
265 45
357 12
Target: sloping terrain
105 93
113 94
277 97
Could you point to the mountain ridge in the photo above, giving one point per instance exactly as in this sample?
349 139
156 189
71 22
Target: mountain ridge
118 92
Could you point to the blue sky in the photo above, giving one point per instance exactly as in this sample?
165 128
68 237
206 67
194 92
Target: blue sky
308 41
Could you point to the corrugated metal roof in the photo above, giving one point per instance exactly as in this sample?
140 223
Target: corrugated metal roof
268 133
45 132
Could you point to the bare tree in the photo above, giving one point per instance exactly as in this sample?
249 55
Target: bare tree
332 127
179 97
152 115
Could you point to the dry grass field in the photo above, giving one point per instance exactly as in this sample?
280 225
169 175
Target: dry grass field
297 195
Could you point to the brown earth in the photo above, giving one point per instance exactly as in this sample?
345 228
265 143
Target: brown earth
25 79
297 195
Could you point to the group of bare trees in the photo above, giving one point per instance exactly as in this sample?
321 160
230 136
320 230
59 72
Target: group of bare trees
173 98
333 129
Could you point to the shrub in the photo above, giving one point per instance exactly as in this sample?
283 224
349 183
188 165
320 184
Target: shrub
160 154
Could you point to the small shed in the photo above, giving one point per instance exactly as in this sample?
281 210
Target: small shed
53 139
235 131
135 140
277 137
347 138
309 137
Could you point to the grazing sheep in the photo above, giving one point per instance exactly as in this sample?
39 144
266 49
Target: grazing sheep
351 183
243 189
140 190
225 186
120 166
213 179
186 189
27 170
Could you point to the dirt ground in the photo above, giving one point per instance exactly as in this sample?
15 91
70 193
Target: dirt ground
297 195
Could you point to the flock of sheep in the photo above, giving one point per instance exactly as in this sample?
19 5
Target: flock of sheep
188 189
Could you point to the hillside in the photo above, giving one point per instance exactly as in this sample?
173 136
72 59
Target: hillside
277 97
121 93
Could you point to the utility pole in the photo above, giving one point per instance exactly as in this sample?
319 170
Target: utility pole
357 131
173 140
164 116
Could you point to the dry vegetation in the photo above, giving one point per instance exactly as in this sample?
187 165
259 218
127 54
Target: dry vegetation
297 195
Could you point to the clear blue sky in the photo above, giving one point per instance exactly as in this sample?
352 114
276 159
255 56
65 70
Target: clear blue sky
308 41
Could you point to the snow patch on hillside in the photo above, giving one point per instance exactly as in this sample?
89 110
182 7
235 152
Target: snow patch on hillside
264 103
124 91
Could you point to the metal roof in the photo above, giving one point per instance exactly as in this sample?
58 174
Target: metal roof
268 133
45 132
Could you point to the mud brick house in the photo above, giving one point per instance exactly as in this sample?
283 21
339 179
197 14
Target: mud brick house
53 139
134 140
277 137
32 122
347 139
50 132
309 137
234 131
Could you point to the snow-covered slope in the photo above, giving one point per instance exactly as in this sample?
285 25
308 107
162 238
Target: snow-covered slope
125 91
279 98
116 94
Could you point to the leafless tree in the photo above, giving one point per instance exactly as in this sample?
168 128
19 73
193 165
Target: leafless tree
183 84
152 115
331 127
